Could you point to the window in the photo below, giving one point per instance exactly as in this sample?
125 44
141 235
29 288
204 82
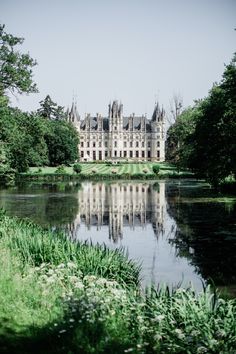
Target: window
94 155
158 144
115 153
82 144
106 153
88 153
88 144
143 144
149 154
94 144
100 155
125 153
136 144
131 144
115 144
82 154
137 154
106 144
120 154
143 153
125 144
100 144
131 154
158 153
149 144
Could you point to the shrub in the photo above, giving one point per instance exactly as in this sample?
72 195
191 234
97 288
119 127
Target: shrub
156 169
77 168
114 171
94 170
145 170
60 169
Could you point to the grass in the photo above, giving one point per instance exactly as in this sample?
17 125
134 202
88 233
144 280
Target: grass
57 296
138 170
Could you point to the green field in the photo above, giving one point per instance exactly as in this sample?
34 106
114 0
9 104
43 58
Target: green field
119 169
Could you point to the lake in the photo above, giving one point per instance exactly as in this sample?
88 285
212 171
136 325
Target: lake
180 230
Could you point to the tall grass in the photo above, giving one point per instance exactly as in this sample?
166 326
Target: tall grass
57 296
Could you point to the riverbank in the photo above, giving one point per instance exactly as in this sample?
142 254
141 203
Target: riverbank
58 296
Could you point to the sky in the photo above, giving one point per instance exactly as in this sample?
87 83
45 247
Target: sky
136 51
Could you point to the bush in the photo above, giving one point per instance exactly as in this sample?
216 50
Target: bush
60 169
156 169
77 168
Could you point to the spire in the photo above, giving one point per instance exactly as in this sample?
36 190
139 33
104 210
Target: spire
74 114
156 112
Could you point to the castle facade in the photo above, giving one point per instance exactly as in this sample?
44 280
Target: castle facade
116 137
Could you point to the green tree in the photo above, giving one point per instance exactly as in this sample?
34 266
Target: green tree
51 110
179 137
62 141
15 68
214 140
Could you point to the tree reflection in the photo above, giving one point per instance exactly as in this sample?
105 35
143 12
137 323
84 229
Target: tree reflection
205 232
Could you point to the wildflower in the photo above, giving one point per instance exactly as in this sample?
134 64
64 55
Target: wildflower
159 318
179 333
201 350
79 285
50 280
60 266
71 265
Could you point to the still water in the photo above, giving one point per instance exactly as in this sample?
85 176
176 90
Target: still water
180 231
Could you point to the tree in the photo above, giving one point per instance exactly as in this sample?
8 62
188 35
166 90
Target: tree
179 137
62 141
51 110
214 139
15 68
176 108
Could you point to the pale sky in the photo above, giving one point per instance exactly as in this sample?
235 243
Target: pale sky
136 51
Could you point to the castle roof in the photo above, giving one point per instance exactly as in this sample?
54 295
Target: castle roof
135 122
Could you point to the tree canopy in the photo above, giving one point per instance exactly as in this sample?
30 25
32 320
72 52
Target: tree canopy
51 110
203 138
15 68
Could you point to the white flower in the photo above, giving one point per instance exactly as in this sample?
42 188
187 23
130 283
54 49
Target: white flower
179 333
71 265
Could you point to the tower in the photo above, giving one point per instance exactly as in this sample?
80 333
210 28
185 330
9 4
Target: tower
115 115
157 134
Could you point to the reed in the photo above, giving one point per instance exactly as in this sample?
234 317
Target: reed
58 296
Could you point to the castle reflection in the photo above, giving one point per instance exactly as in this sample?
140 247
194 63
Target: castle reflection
119 205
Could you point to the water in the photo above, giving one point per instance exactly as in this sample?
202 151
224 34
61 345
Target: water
180 231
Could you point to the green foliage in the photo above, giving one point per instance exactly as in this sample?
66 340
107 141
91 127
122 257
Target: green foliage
178 141
15 68
214 154
203 137
77 168
62 141
59 296
30 140
60 169
156 169
51 110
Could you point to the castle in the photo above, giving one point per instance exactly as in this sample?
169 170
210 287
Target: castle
116 137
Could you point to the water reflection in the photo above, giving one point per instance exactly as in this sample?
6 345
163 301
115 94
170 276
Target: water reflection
179 230
120 205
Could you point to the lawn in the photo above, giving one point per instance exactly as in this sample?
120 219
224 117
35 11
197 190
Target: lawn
105 169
